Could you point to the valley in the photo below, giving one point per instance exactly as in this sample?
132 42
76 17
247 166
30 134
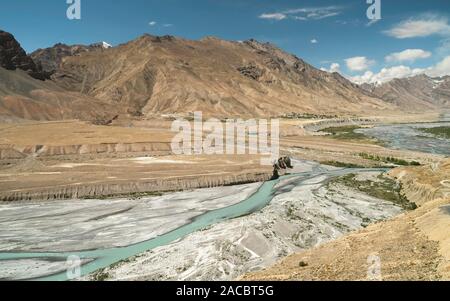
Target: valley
304 210
87 168
284 234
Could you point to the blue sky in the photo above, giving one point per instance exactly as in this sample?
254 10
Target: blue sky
412 36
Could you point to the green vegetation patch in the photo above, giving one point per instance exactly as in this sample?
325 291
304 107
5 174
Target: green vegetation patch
441 132
383 188
392 160
101 275
348 133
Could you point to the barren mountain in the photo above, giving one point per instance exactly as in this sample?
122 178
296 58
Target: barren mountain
168 75
26 94
50 58
12 57
23 97
414 93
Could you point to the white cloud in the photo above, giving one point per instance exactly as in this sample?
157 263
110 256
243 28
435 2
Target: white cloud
274 16
304 14
314 41
154 23
444 48
387 74
440 69
334 67
359 63
408 55
314 13
361 79
300 18
423 26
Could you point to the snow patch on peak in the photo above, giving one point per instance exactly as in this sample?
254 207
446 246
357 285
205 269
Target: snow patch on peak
437 82
103 45
106 45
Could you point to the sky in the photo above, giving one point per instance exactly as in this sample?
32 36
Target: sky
412 36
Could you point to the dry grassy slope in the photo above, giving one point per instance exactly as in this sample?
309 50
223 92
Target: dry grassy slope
153 75
413 246
24 97
422 185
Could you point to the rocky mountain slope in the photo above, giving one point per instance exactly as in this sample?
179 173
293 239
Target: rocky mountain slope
168 75
25 98
414 93
151 76
50 58
12 57
27 94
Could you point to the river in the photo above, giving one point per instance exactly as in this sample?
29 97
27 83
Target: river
37 238
46 264
410 137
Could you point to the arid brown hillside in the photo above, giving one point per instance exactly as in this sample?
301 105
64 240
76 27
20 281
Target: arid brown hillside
23 97
415 93
50 58
26 93
167 75
153 76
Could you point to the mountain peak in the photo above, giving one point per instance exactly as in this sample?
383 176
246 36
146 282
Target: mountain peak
50 58
13 56
211 39
173 75
420 92
103 45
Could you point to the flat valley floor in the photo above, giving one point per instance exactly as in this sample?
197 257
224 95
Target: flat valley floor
74 188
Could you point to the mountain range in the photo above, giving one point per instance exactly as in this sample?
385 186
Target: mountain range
50 58
153 76
28 93
420 92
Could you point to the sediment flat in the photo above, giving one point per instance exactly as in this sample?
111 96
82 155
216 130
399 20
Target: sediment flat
305 212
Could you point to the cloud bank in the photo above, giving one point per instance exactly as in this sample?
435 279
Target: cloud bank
408 55
387 74
304 14
422 26
359 63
